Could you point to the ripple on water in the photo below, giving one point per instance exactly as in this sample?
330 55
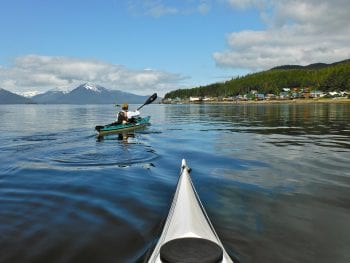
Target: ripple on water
66 225
82 152
104 156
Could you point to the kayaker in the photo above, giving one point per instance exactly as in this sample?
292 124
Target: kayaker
125 115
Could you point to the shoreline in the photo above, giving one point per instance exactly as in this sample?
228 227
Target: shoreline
271 102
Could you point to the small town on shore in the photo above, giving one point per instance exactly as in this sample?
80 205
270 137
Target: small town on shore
286 95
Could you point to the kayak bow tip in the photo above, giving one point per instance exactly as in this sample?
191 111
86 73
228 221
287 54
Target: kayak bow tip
183 164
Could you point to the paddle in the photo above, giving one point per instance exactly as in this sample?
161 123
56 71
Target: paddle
149 100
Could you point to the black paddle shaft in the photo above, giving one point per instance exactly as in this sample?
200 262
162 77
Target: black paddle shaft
149 100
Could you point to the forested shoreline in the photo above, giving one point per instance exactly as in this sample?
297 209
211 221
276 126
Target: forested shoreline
322 77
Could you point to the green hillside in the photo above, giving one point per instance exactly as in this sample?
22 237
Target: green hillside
320 76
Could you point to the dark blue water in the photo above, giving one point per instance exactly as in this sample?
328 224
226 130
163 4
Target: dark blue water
275 180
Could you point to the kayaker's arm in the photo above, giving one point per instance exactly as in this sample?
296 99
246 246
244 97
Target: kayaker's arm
133 114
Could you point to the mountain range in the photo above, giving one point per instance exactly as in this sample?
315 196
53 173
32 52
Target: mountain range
7 97
86 93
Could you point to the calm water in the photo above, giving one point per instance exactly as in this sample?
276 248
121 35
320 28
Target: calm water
275 180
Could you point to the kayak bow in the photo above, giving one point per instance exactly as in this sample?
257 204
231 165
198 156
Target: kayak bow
114 128
188 235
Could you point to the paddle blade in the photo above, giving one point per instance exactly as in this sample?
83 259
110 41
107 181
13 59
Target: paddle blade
149 100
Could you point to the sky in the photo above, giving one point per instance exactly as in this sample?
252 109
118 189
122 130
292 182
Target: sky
147 46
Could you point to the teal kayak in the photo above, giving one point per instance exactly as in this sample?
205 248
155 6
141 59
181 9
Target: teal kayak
115 128
188 235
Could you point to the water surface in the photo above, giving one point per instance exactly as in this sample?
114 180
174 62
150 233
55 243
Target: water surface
274 179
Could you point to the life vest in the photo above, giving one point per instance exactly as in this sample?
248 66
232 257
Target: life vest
122 116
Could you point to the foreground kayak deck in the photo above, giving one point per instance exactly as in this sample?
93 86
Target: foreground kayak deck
188 235
120 128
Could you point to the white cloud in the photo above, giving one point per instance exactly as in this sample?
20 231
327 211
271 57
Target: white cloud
242 4
40 73
159 8
297 32
203 7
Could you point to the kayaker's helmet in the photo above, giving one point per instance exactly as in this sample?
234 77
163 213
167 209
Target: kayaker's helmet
125 106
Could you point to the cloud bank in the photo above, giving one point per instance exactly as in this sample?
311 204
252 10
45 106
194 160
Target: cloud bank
297 32
40 73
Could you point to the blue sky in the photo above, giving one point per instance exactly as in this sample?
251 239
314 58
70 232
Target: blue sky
157 46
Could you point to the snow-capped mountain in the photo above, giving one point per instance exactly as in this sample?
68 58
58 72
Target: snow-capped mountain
7 97
88 93
92 87
51 96
28 94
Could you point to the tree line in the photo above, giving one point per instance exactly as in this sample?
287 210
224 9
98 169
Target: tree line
322 77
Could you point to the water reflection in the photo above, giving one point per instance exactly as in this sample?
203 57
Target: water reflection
271 118
301 123
274 180
125 137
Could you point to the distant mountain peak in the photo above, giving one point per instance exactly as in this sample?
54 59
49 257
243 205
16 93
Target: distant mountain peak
87 93
57 90
7 97
28 94
92 86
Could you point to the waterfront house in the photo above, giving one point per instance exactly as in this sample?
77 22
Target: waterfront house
208 99
195 99
270 96
316 94
284 95
259 96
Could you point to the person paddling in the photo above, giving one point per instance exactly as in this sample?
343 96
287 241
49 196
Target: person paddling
125 115
122 116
